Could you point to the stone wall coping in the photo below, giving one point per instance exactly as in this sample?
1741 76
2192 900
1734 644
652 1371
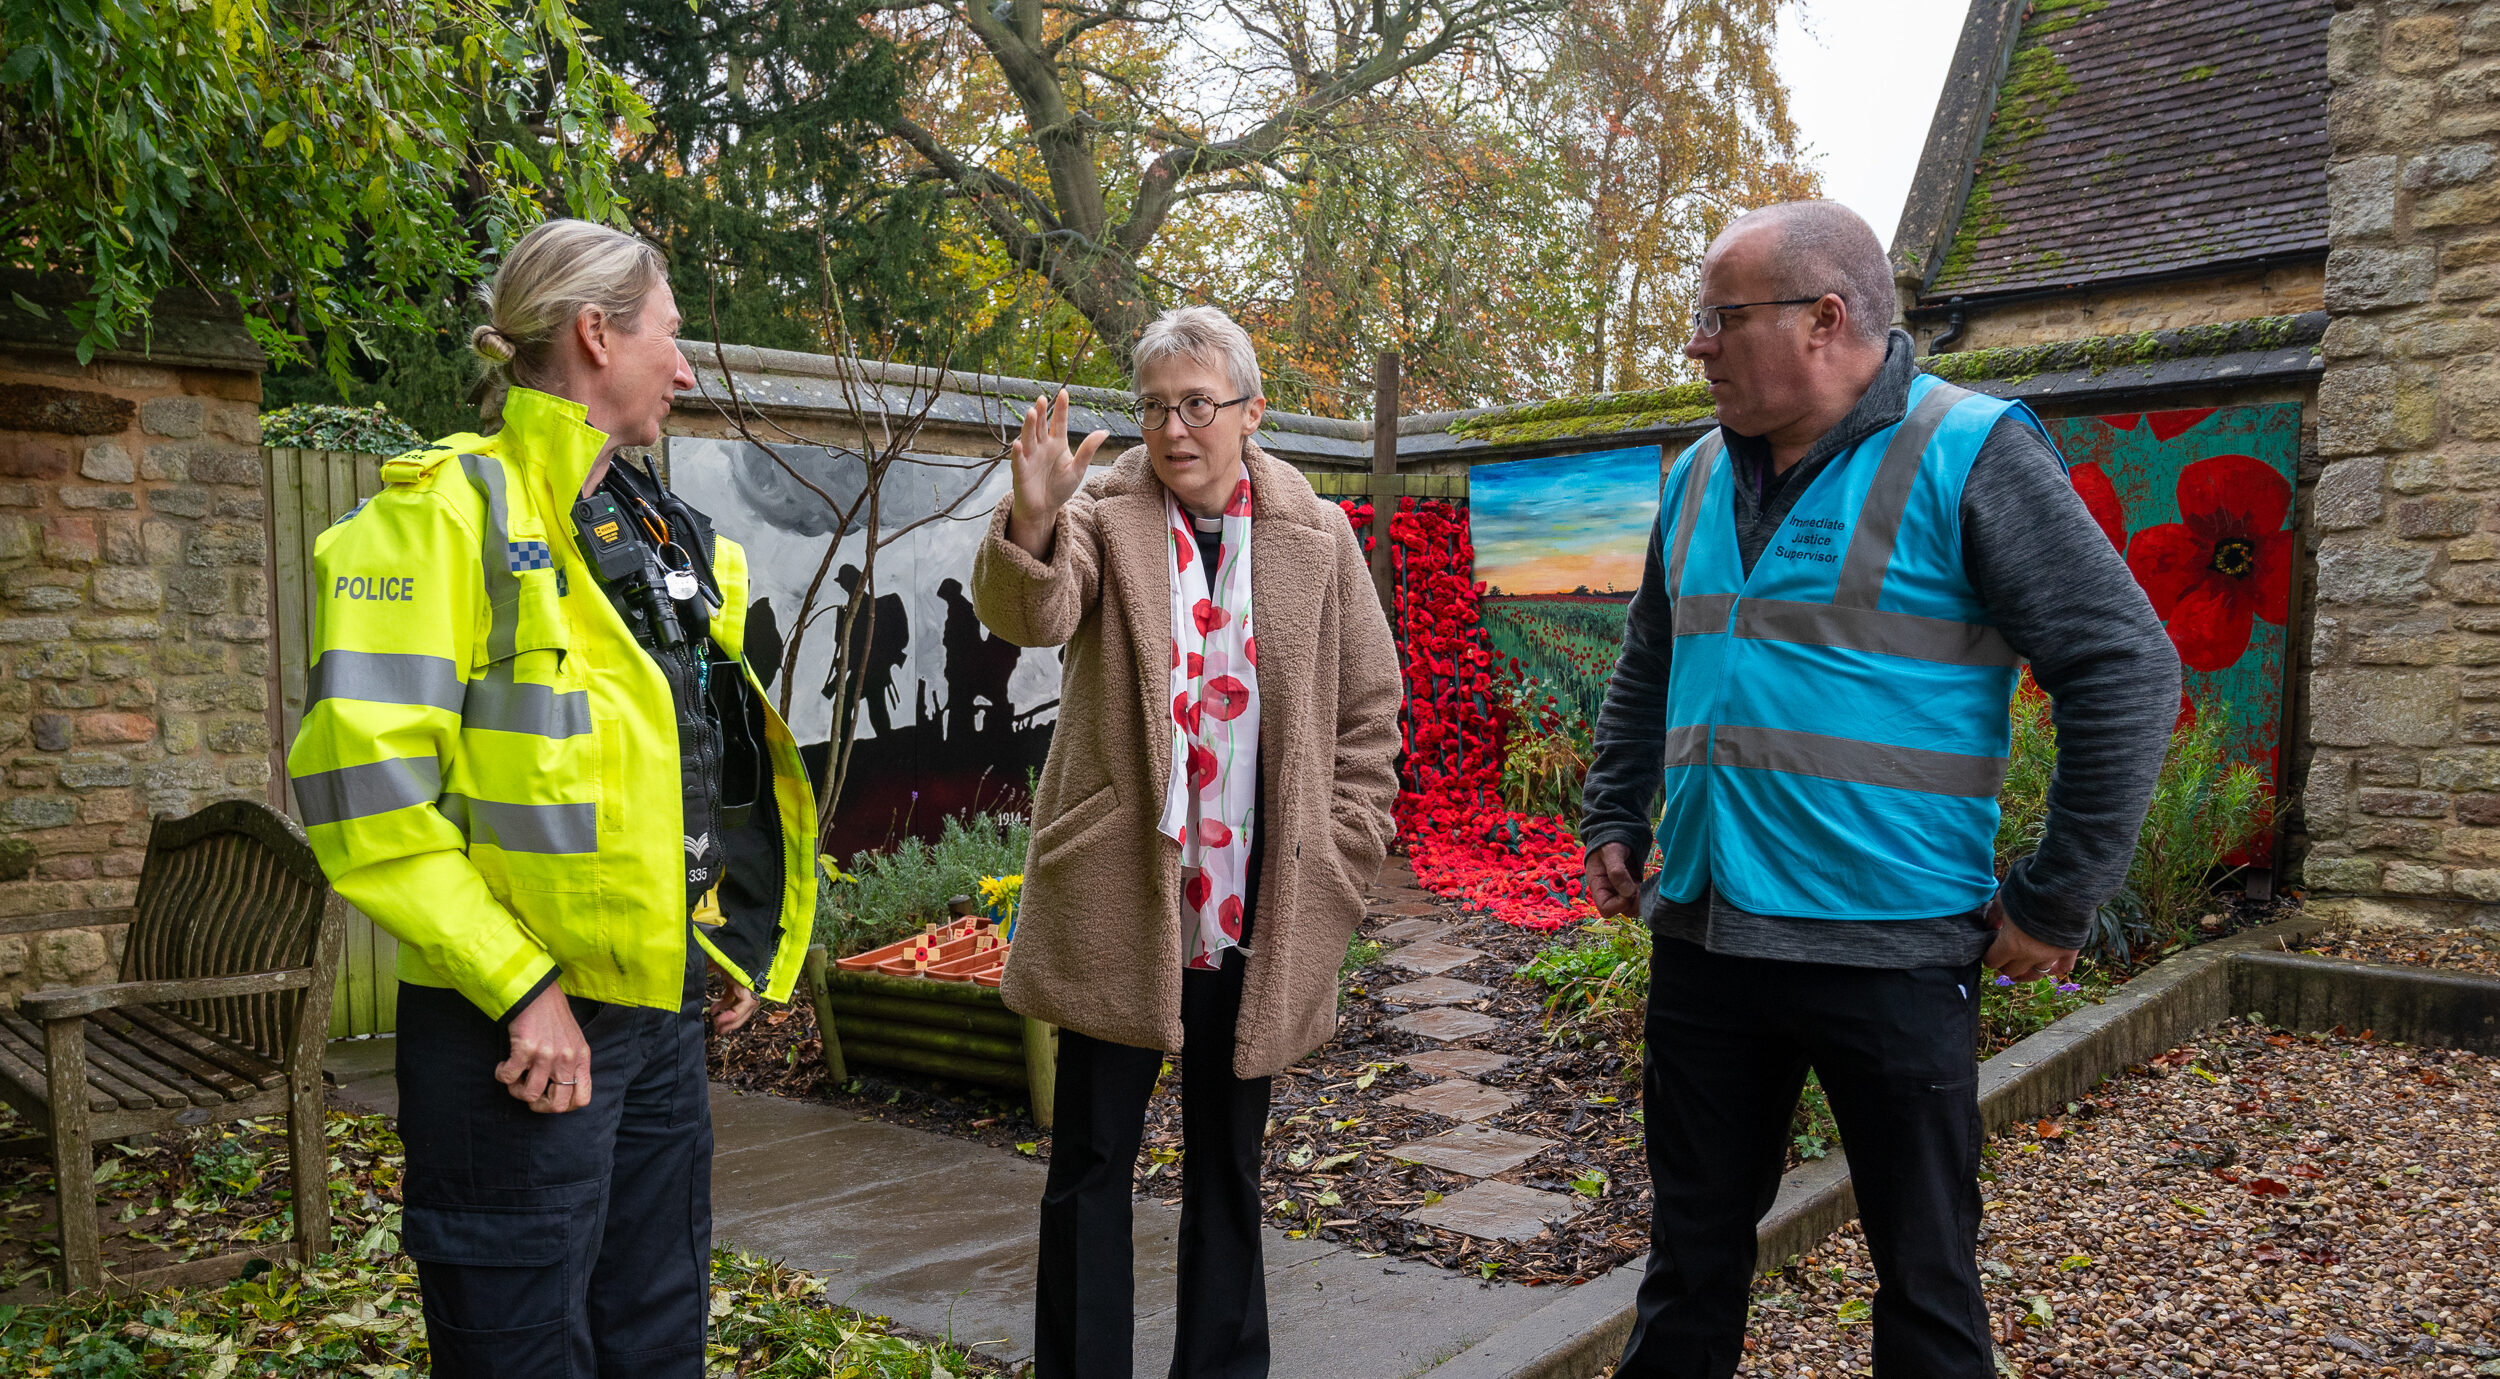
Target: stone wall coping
2249 973
185 329
820 387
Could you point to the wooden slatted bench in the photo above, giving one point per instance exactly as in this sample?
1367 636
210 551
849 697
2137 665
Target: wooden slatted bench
222 1015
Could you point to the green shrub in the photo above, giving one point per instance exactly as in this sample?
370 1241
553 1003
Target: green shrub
1542 772
889 894
2203 811
1604 974
328 426
2011 1011
2023 805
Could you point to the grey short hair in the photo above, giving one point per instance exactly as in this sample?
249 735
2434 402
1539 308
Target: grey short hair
556 270
1207 335
1824 247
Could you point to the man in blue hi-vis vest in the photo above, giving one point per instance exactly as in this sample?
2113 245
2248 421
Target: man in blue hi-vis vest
1844 582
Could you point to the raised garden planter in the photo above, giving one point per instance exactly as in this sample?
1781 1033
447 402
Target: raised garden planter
937 1014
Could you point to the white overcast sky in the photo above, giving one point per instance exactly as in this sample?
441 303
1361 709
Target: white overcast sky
1862 82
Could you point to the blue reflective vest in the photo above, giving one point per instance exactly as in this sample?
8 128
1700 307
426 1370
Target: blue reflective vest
1836 720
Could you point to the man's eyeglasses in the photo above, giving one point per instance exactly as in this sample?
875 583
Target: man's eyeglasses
1706 322
1196 410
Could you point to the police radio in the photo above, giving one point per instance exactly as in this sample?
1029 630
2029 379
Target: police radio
626 565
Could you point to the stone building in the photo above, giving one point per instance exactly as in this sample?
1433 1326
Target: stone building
135 639
2404 793
2121 213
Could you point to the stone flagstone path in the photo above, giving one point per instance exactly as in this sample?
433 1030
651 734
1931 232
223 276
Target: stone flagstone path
1488 1209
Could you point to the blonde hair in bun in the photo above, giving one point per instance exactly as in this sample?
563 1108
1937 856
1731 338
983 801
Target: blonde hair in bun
491 345
557 271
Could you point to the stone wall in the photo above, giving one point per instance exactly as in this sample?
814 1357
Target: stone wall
2403 795
2287 290
134 640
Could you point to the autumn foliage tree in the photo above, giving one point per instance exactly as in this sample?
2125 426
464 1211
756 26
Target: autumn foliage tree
1513 193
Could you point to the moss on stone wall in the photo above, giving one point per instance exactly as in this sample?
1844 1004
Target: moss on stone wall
1594 414
2101 352
1606 414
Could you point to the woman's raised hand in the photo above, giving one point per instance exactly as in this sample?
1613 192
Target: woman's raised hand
1047 472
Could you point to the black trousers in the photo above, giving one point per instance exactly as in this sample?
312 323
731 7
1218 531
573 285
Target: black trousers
1084 1305
1729 1043
559 1246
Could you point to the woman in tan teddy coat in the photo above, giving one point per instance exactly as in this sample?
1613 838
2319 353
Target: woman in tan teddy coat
1217 797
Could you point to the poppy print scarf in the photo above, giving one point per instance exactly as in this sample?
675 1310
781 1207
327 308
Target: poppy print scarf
1215 738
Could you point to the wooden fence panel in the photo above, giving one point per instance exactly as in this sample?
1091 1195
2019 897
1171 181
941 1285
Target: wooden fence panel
309 490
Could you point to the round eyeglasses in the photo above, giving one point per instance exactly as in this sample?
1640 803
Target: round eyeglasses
1706 322
1196 410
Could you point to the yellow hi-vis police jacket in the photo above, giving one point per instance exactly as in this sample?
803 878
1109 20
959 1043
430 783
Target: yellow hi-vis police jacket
488 764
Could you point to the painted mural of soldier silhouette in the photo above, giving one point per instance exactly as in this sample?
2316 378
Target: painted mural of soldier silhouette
978 666
949 717
879 644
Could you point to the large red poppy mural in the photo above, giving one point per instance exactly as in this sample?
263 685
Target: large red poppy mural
2200 504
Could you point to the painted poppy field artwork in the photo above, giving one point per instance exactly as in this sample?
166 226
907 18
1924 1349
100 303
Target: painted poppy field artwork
2200 504
1559 545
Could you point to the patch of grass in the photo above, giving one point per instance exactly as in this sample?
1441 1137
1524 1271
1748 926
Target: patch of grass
886 895
1360 953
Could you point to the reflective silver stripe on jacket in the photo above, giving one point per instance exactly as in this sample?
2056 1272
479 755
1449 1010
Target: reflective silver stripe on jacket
1696 483
1862 763
1871 629
1851 620
1699 614
1688 745
384 677
556 828
376 787
496 700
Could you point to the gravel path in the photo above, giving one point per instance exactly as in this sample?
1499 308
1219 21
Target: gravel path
2253 1204
2466 950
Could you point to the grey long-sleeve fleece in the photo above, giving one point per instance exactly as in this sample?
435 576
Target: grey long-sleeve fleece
2059 594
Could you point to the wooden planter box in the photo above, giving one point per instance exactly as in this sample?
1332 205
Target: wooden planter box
951 1026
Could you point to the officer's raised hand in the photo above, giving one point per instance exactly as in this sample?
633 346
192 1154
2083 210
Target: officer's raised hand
1047 472
550 1063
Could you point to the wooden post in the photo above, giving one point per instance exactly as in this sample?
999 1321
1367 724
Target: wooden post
1384 481
1041 1068
73 1152
814 970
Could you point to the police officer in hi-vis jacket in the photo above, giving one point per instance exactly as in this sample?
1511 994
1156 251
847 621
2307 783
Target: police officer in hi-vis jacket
1845 579
532 751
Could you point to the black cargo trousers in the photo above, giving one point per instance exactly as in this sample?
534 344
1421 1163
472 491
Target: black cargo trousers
559 1246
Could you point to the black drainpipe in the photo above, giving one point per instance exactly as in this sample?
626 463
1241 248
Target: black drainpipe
1952 331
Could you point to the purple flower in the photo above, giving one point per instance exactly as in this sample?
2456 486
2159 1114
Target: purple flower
2003 980
2070 988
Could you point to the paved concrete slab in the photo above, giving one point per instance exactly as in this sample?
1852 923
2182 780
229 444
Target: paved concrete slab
1433 991
938 1234
1431 958
1410 930
363 1071
1458 1099
1445 1022
1404 908
1498 1211
1458 1062
1479 1151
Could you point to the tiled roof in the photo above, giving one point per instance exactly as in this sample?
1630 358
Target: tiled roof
2142 136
